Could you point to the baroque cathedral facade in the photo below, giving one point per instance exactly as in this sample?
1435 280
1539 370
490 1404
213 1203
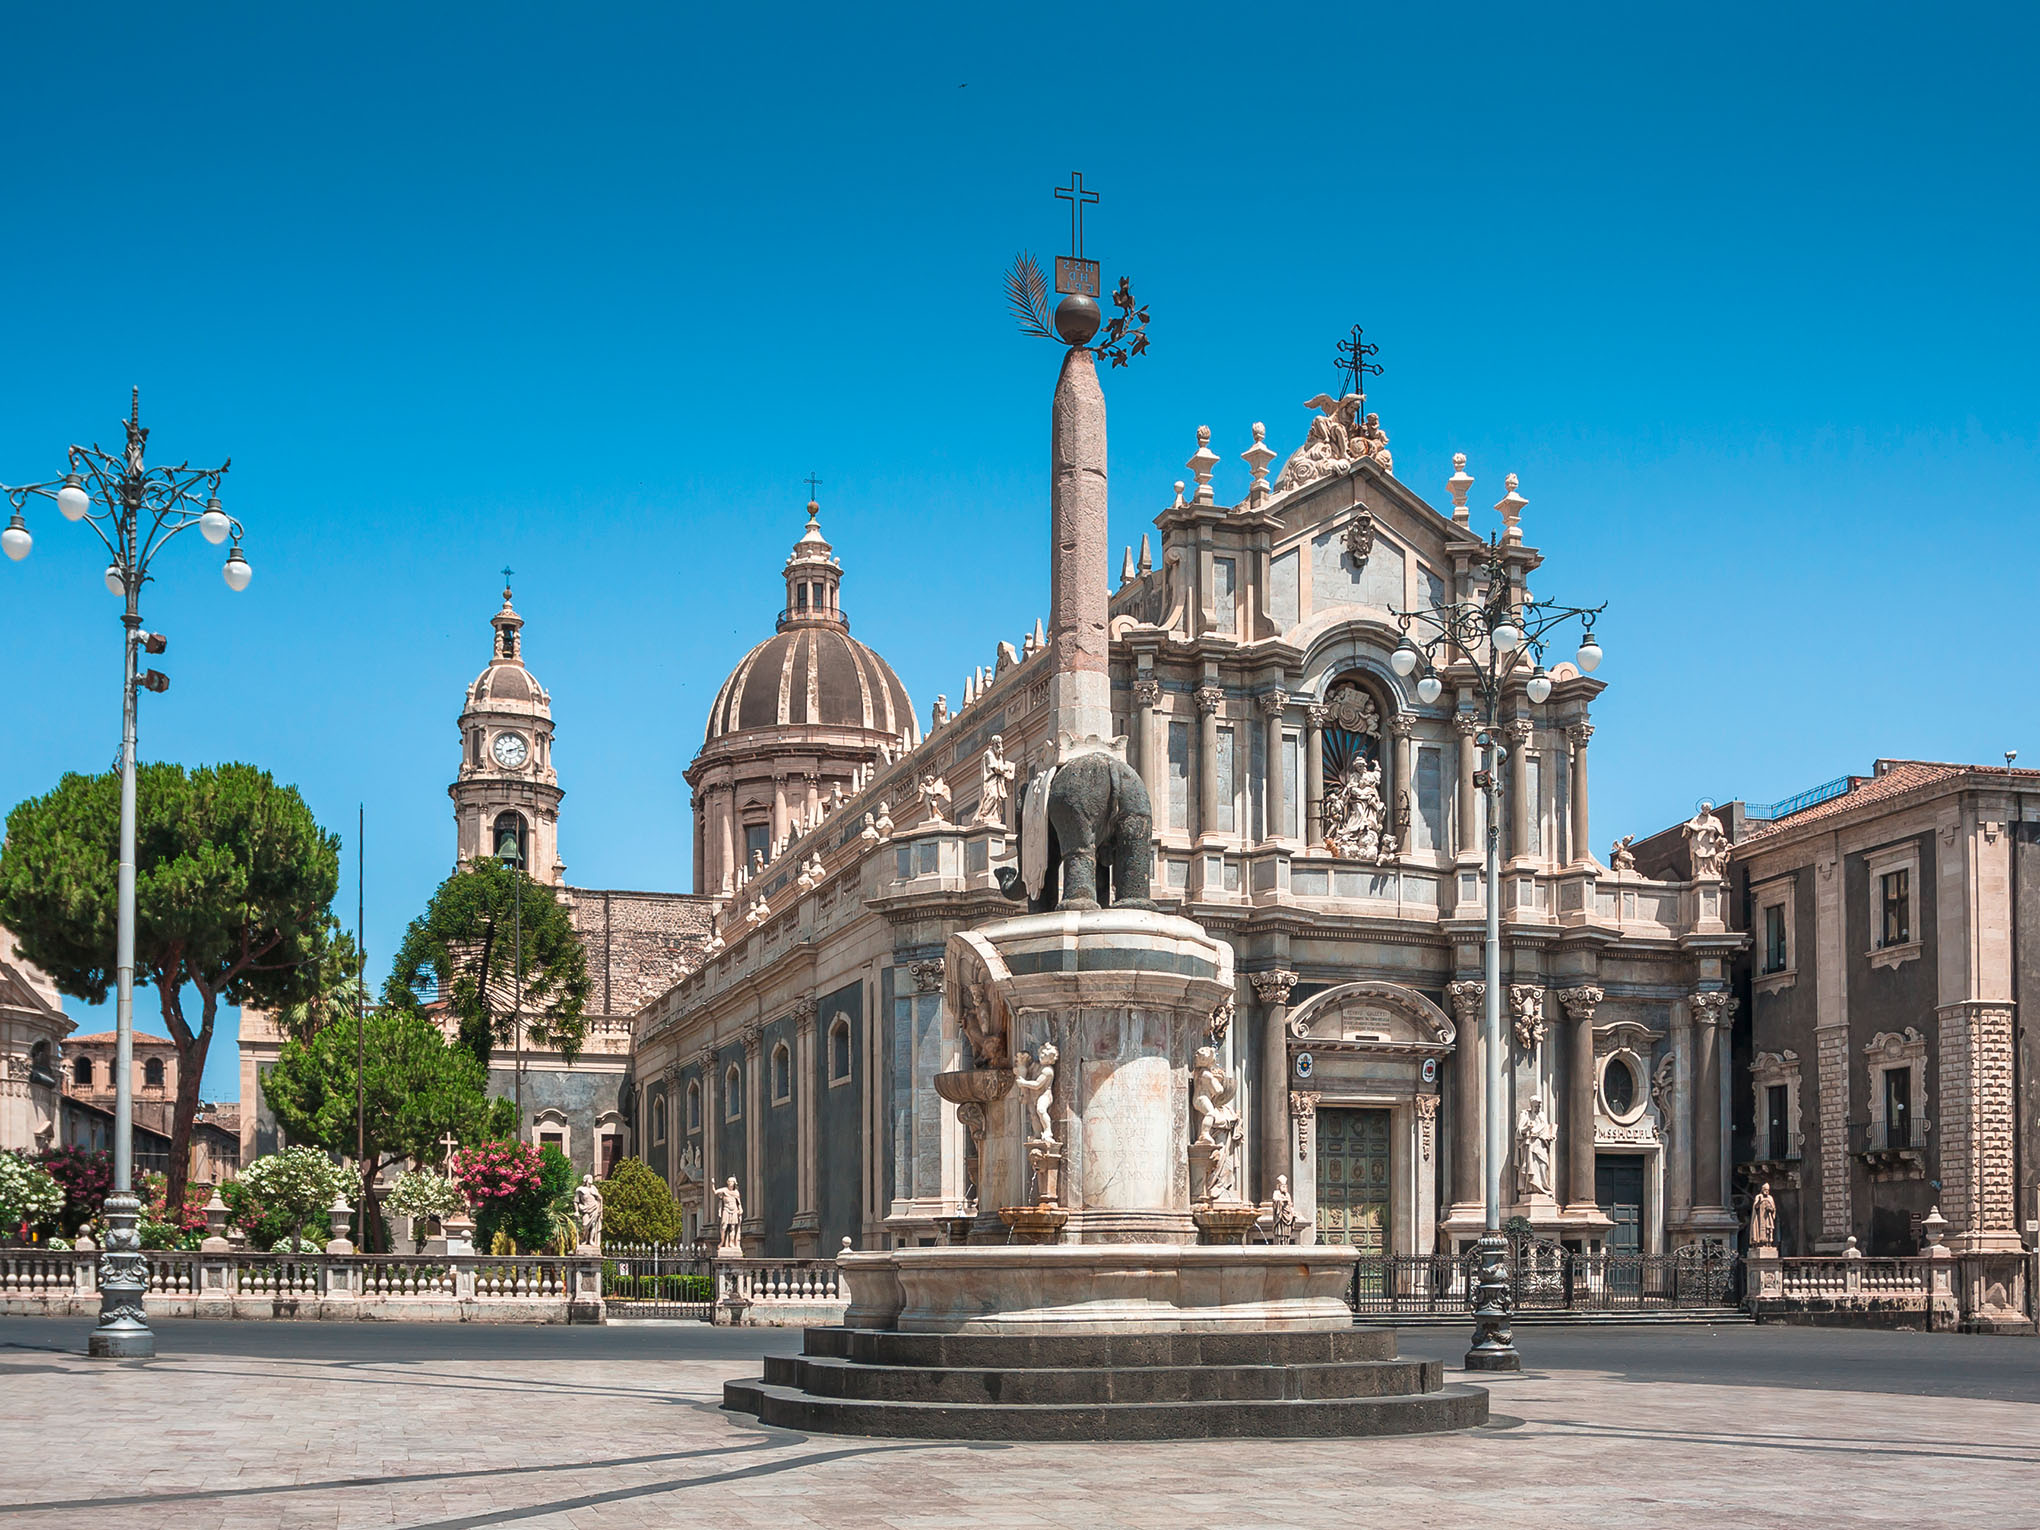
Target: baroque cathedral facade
1309 808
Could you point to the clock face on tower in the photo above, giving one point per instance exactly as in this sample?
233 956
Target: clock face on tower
509 750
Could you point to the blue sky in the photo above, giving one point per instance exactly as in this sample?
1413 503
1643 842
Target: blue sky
1744 295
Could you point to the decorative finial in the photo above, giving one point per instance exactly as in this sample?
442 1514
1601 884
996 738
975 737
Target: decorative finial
1511 507
1179 495
1258 456
1201 462
1457 486
1147 557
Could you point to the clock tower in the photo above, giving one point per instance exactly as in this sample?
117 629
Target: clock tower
507 789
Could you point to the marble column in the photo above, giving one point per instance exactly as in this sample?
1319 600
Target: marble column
1522 809
1579 1004
1466 998
1582 845
1147 694
1272 704
1469 801
1402 802
1316 717
1272 989
1209 699
754 1139
807 1081
814 798
1711 1011
781 819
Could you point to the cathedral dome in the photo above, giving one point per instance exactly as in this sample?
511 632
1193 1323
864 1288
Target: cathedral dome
812 674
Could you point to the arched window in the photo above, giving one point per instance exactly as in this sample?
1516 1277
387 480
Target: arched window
839 1050
658 1118
782 1074
152 1073
39 1069
81 1072
507 839
732 1094
694 1105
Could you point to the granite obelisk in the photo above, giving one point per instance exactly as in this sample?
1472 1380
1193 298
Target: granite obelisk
1079 687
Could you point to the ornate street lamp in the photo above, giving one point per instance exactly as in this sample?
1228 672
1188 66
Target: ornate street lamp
135 510
1485 646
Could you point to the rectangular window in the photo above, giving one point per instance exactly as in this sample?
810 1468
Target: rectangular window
1429 828
1224 604
1292 795
1774 938
1228 817
757 840
1898 1107
1895 888
1777 1122
1179 775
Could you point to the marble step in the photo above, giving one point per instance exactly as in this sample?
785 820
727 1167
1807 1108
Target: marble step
1451 1407
1105 1384
869 1346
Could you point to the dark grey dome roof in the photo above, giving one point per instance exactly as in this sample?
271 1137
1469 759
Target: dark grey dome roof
816 675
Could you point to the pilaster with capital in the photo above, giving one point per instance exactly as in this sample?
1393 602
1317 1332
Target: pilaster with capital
1315 718
1522 811
754 1134
806 1116
1713 1010
1147 695
1467 998
1272 989
1209 699
1272 705
711 1122
1579 1005
1468 727
1402 728
1577 735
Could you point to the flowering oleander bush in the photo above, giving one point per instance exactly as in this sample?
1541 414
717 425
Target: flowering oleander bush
297 1184
496 1173
86 1180
187 1218
29 1196
424 1193
516 1189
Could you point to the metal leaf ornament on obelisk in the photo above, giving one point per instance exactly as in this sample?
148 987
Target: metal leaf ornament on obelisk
1077 319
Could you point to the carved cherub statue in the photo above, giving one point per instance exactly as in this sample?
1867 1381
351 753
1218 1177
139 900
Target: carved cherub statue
935 797
1620 856
1038 1091
1211 1095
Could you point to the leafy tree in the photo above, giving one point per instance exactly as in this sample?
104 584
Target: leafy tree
637 1207
485 924
234 878
415 1088
298 1183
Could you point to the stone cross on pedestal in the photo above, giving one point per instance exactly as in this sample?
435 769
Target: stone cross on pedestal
449 1142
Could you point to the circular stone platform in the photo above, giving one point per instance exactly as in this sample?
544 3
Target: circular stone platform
1154 1386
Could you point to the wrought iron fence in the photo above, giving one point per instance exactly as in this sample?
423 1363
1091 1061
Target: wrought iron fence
659 1280
1547 1277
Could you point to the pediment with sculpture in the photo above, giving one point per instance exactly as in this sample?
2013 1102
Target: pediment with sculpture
1374 1016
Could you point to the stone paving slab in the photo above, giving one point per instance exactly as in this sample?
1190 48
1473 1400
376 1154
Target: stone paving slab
635 1438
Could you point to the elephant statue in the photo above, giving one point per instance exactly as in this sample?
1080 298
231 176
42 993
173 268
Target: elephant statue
1100 837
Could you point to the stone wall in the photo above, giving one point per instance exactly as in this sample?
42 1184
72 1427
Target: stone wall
637 943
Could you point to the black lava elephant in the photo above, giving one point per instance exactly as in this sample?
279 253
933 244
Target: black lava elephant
1100 838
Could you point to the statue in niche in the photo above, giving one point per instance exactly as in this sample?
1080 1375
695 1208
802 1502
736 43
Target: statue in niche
998 783
729 1211
588 1212
1282 1211
1707 844
1037 1091
1620 856
1764 1219
1356 815
690 1163
1535 1135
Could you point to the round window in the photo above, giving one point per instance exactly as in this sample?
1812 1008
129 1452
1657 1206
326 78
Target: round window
1618 1087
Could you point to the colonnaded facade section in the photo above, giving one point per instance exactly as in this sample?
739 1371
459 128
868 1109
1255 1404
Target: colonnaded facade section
1310 810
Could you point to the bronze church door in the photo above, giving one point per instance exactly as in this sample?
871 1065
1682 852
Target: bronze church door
1353 1178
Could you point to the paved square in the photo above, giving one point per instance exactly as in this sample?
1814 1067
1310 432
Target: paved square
433 1428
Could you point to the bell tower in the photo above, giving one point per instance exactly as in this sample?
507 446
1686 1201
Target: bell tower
506 797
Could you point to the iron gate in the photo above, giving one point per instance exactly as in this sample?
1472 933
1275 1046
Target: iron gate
658 1280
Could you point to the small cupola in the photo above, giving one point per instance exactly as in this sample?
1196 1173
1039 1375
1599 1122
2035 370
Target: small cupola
508 625
814 579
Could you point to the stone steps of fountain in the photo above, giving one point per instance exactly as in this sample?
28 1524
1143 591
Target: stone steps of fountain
1120 1386
1451 1407
850 1380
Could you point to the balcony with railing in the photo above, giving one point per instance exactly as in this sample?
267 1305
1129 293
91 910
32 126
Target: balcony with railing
1892 1147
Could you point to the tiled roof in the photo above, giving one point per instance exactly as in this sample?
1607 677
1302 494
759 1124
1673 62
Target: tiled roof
1893 778
142 1038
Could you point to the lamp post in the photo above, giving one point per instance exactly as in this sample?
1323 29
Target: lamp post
136 510
1483 645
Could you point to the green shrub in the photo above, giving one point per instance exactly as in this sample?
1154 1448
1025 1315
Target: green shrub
638 1208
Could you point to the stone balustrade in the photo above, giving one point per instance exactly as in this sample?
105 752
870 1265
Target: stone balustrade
465 1288
779 1293
1939 1289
